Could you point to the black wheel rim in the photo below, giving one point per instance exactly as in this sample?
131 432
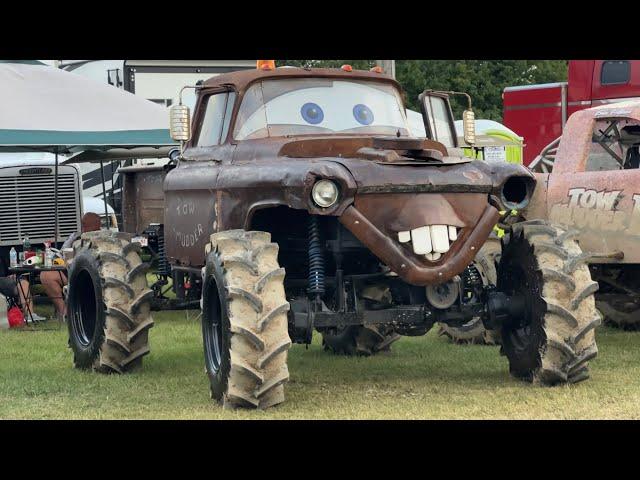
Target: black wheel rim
523 337
213 328
83 306
520 335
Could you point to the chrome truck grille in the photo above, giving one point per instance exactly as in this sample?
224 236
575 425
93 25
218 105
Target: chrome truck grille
27 204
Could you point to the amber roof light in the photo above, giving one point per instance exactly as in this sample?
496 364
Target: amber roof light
266 64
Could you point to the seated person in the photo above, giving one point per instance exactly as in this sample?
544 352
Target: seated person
53 282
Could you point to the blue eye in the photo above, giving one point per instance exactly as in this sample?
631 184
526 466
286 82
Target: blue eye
312 113
363 114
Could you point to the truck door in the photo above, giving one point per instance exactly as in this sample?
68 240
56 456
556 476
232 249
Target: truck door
190 189
595 188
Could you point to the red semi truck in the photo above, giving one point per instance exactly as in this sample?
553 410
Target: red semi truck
539 112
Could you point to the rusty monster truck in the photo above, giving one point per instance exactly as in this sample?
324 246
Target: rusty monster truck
302 203
589 181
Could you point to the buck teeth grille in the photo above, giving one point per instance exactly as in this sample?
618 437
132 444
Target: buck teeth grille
430 240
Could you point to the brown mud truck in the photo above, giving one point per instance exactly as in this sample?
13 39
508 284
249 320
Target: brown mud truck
300 202
589 181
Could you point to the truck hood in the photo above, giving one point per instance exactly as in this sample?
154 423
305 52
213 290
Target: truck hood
376 177
361 165
391 164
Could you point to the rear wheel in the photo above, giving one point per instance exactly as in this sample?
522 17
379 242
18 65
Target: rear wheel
244 320
359 340
554 341
619 310
473 332
108 303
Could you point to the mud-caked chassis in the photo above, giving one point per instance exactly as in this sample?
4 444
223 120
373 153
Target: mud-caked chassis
351 228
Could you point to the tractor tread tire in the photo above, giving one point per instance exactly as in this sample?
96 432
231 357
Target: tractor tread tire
475 332
257 311
125 297
626 319
360 340
565 292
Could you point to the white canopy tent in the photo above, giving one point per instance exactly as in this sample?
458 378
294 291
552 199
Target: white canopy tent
45 109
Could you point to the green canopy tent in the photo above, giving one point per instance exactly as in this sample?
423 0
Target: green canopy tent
50 110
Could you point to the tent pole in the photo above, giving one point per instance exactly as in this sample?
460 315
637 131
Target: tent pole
104 195
55 195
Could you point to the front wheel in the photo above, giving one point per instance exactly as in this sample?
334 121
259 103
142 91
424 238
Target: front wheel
554 340
244 320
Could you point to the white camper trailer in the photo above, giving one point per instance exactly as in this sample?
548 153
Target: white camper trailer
159 81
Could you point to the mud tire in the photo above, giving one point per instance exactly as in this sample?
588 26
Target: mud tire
474 332
108 303
619 311
244 320
544 262
360 340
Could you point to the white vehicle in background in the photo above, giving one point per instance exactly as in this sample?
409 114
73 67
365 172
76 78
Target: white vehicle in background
159 81
27 201
494 141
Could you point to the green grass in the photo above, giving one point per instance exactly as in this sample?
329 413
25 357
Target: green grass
423 377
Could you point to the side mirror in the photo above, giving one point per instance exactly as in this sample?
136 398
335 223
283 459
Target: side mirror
180 123
438 117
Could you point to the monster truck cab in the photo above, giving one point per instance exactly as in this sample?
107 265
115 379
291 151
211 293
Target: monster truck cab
588 180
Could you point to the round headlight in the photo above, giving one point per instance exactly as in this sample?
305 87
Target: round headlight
325 193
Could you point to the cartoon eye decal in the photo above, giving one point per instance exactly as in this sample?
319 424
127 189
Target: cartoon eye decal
312 113
363 114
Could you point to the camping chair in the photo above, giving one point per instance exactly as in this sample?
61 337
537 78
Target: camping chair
9 289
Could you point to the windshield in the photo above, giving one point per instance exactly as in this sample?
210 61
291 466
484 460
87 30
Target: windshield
615 146
317 106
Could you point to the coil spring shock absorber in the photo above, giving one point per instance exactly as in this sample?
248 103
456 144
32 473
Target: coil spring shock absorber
163 266
472 283
316 259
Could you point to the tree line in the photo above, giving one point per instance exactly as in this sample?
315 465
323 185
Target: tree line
484 80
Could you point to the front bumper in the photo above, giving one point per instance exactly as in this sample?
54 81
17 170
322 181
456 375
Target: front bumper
393 255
